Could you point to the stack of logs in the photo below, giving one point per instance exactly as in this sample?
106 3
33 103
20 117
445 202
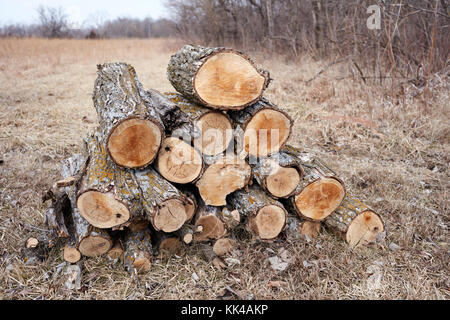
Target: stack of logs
166 170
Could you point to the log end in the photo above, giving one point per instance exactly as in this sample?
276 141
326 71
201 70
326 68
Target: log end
171 216
102 210
134 143
71 254
283 181
216 133
223 177
92 246
364 229
267 132
227 80
211 228
178 162
320 198
269 221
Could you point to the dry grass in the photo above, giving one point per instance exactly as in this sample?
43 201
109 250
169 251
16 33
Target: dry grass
389 152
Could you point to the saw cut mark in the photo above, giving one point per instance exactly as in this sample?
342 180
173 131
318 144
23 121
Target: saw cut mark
320 198
227 79
226 175
102 210
134 143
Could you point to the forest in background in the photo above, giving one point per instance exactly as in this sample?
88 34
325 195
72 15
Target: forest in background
384 41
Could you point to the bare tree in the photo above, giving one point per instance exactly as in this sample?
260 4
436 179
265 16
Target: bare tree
53 22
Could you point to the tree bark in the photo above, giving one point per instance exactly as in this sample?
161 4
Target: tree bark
131 130
264 127
265 216
279 175
215 129
321 191
163 203
138 252
218 78
356 222
209 218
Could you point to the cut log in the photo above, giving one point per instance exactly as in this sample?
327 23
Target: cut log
209 218
279 174
224 246
218 78
116 252
357 223
36 249
209 256
265 216
187 232
89 240
166 244
214 127
164 204
266 128
71 253
102 201
296 227
321 193
138 252
178 161
226 174
131 130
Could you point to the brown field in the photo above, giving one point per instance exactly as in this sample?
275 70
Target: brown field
392 153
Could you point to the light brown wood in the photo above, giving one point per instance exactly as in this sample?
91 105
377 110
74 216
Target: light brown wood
263 128
224 246
178 162
320 198
214 128
265 217
283 181
134 143
266 132
96 243
102 210
356 222
71 254
218 78
227 79
209 218
225 175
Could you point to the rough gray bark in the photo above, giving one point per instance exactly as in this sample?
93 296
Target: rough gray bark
184 65
314 171
114 185
138 252
351 208
250 204
262 169
156 192
118 96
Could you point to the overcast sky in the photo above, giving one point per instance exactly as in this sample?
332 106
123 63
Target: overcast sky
79 11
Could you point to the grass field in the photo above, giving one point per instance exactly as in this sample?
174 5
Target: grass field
392 153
